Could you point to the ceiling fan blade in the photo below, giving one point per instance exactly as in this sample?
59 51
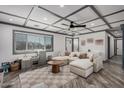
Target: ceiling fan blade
65 24
80 26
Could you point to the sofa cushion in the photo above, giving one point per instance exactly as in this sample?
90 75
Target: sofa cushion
82 63
74 54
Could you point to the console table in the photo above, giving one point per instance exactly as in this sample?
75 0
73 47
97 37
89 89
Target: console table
26 63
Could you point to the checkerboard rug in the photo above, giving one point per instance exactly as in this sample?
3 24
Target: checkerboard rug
46 77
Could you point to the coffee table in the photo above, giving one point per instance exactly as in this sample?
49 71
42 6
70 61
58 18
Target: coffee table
56 65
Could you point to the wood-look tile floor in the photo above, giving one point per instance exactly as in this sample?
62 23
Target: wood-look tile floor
112 76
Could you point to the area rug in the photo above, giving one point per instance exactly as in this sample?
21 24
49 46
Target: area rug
46 77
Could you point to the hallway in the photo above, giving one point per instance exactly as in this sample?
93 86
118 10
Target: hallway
116 59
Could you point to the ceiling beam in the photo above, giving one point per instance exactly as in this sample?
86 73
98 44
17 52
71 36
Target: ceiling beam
109 23
73 13
46 24
33 28
114 13
77 11
107 31
61 16
28 17
11 15
105 16
54 13
100 16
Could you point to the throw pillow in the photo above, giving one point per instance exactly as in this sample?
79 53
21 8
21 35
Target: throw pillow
90 56
83 55
67 53
74 55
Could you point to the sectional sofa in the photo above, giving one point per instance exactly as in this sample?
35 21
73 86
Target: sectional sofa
81 63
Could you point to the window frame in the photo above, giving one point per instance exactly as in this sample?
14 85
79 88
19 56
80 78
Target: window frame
27 50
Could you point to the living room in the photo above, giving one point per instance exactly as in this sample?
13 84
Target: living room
61 46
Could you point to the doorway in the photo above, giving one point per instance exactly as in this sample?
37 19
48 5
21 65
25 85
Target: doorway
68 44
75 44
108 47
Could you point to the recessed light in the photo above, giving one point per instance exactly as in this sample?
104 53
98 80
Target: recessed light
61 5
45 19
92 24
10 19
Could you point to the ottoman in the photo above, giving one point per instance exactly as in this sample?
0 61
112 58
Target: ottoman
82 67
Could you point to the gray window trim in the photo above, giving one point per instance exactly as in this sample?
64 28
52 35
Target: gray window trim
28 51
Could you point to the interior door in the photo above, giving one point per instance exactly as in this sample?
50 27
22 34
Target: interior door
68 44
108 47
119 47
76 44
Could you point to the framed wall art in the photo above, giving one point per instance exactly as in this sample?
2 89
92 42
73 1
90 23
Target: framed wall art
90 40
99 42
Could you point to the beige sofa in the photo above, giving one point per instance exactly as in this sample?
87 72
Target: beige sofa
82 67
94 58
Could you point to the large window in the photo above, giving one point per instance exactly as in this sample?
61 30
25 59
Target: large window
29 42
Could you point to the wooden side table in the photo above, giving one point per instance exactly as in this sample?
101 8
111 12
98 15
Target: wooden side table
55 66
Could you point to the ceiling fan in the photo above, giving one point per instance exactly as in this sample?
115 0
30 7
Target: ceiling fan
72 25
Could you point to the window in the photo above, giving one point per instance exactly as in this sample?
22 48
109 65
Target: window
20 40
49 43
29 42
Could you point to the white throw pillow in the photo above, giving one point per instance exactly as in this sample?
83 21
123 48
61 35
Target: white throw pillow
72 54
90 55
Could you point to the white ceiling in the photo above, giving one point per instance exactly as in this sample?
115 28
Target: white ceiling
117 24
95 23
11 19
36 25
84 31
20 10
63 11
53 29
107 9
42 19
115 17
83 16
60 24
40 15
100 28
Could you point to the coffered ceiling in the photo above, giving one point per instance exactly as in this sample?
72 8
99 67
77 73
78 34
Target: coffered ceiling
56 18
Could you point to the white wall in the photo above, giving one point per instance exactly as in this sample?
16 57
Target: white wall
111 45
119 47
92 46
6 38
